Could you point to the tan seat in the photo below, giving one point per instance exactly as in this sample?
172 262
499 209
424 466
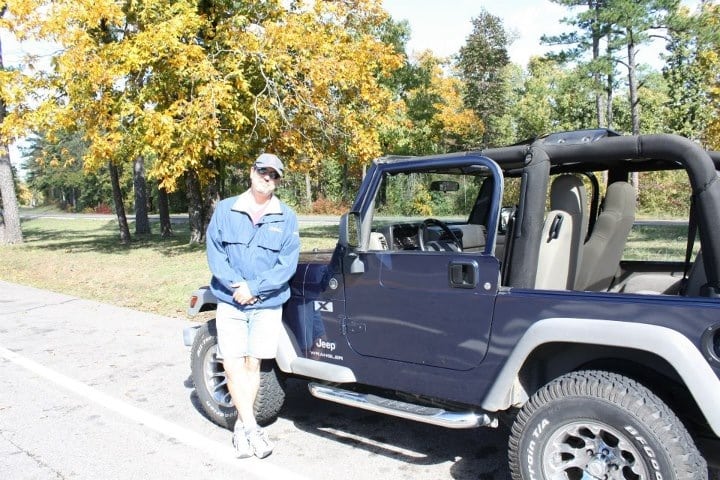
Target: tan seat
669 284
563 235
603 250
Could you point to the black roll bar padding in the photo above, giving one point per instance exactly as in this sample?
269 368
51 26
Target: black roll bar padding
705 188
530 219
696 161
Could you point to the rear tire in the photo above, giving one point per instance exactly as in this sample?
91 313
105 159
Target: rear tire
210 380
596 424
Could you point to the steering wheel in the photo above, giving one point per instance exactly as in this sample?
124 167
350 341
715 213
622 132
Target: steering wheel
454 243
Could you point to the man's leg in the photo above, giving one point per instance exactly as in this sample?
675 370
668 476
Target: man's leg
244 383
243 377
253 337
232 327
264 329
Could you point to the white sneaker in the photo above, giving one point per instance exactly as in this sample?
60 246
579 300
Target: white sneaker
258 442
240 442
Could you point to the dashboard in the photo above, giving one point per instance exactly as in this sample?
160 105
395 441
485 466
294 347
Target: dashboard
406 236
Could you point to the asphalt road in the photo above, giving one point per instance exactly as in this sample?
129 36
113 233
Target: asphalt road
93 391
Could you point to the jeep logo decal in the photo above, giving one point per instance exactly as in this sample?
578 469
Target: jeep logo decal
325 345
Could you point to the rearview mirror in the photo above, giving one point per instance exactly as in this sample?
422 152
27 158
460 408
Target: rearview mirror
444 186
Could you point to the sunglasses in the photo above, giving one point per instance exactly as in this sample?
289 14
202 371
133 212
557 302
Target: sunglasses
262 171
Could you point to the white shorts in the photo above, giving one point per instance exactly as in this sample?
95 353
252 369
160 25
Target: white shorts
247 333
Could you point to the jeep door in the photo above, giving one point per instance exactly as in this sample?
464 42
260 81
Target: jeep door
420 300
413 307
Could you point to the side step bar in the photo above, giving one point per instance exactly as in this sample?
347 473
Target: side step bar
410 411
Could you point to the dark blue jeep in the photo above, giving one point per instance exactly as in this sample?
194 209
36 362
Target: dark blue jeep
469 287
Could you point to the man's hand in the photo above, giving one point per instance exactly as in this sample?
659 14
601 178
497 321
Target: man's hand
242 294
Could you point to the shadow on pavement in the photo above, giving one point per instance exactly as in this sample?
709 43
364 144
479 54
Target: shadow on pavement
475 454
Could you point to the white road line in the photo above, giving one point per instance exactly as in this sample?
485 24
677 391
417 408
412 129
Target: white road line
406 452
260 469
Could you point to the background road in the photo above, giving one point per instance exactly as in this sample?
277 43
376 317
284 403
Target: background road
179 218
307 219
92 391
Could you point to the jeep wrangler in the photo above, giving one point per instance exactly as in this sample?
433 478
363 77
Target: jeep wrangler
471 287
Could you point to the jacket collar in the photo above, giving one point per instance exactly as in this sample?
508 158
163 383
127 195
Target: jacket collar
245 200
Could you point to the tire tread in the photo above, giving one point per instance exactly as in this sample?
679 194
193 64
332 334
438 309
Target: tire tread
626 393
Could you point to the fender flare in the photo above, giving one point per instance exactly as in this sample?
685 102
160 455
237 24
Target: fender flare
289 361
674 347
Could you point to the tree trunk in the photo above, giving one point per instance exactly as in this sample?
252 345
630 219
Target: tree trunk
609 102
164 209
119 206
10 230
596 36
142 222
600 107
308 192
609 85
345 186
632 84
195 207
634 101
211 195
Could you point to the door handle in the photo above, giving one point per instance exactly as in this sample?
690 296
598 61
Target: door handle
463 274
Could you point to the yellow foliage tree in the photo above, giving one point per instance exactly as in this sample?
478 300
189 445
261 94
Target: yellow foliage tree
456 126
437 110
321 67
193 85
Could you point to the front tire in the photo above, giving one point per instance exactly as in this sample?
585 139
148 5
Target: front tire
595 424
210 380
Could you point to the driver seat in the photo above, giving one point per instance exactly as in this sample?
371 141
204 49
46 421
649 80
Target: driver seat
563 235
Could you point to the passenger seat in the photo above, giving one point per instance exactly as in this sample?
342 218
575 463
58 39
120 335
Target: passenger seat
604 248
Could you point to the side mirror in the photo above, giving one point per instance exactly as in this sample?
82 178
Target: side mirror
349 239
350 230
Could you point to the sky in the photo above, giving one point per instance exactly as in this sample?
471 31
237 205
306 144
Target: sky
443 26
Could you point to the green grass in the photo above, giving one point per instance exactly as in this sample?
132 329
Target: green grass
84 258
658 243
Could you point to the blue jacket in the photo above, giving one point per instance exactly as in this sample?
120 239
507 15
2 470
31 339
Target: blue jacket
265 255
